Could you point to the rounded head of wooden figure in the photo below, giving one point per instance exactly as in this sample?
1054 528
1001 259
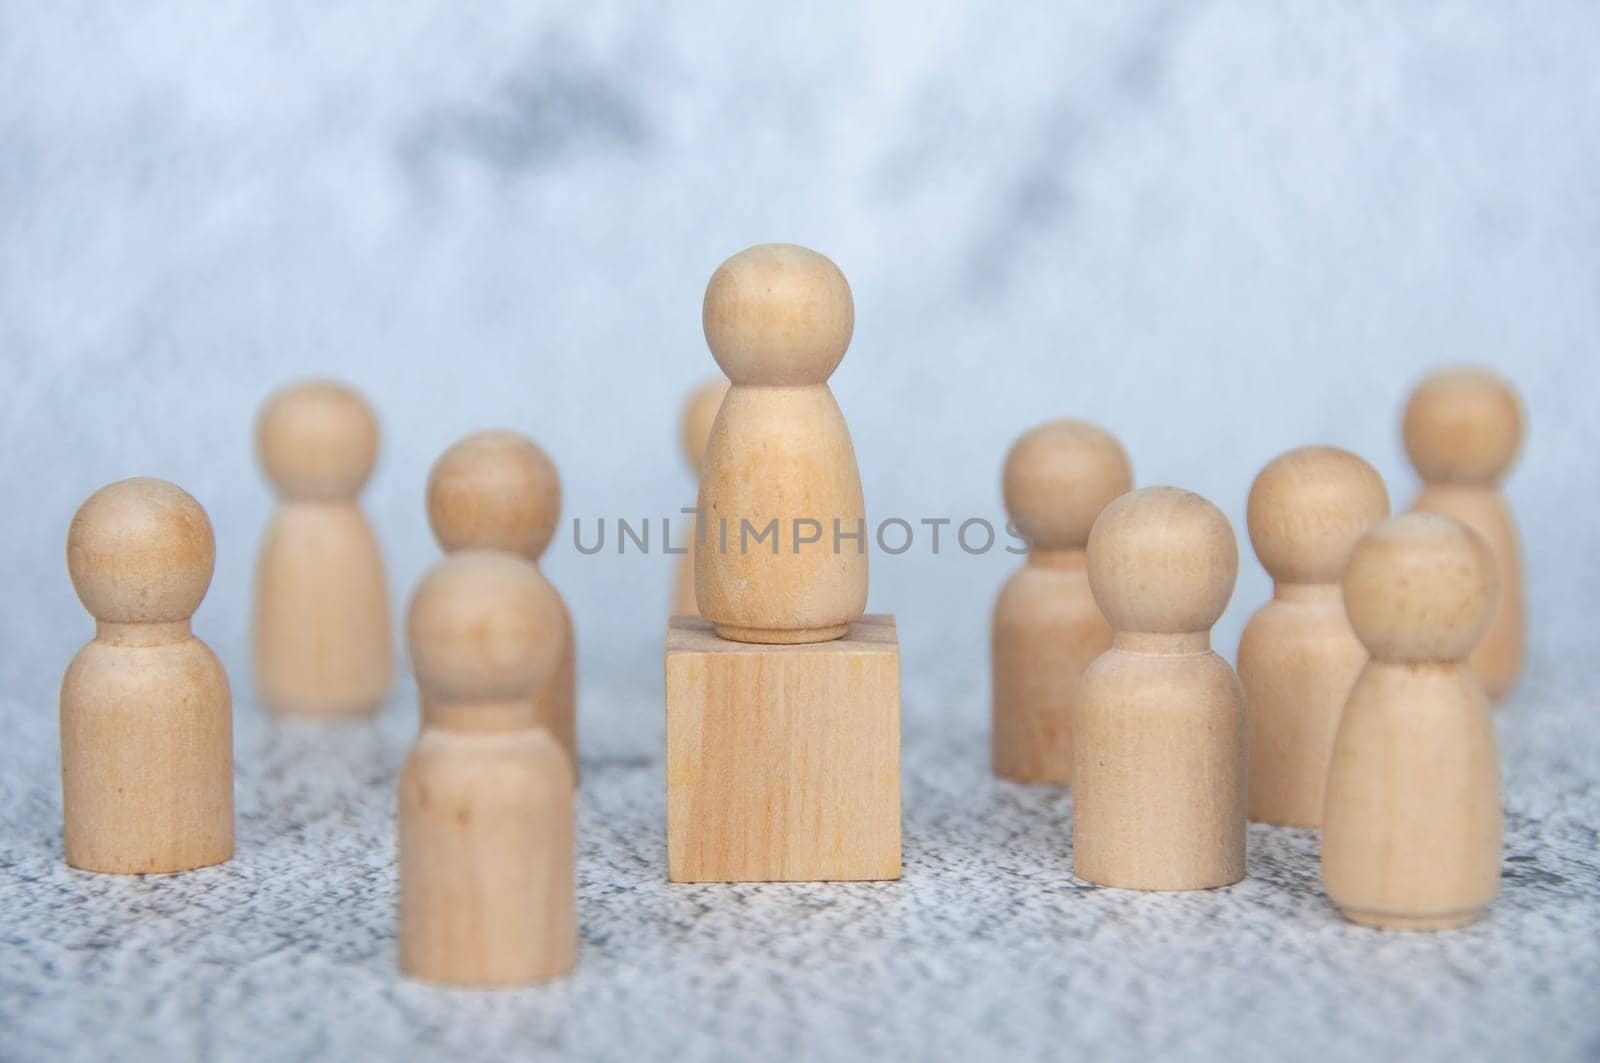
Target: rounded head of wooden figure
1162 561
317 439
1420 587
699 414
1463 426
494 491
484 628
141 551
778 314
1059 477
1307 510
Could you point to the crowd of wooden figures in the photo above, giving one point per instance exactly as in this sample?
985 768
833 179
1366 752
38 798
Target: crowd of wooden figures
1360 706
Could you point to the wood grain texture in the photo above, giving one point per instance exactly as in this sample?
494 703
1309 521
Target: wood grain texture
778 319
1412 823
146 714
486 845
1159 764
783 762
699 414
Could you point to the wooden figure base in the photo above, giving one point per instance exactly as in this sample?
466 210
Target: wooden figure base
1383 921
783 762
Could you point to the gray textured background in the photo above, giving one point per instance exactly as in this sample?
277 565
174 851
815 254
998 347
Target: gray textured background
1220 230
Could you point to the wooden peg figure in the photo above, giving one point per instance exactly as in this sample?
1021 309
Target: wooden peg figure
498 491
699 413
1298 657
321 630
778 319
487 892
146 714
1158 751
1463 428
1411 827
1046 628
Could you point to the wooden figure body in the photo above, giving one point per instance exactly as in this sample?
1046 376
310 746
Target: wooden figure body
698 415
1411 826
496 490
487 890
1046 629
1463 429
1159 729
780 462
321 628
1298 657
146 713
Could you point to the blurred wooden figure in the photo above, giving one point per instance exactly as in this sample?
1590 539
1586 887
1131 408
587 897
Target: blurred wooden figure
146 713
778 319
1463 428
1159 732
699 413
322 631
1411 827
1298 657
496 490
1046 628
487 889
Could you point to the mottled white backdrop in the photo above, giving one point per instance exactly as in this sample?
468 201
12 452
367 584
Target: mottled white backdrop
1220 230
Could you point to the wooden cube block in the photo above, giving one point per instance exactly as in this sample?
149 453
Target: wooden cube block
783 762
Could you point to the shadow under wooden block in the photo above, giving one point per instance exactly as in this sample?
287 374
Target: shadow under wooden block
783 762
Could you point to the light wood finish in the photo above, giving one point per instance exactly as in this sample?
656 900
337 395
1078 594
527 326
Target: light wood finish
146 714
699 413
783 762
1046 629
778 319
497 490
487 889
1411 827
1159 731
1298 657
1463 428
322 635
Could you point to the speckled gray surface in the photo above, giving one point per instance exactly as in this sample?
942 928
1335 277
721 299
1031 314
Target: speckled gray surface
988 948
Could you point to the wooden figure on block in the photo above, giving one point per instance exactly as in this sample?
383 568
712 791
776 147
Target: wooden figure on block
783 705
487 891
1411 826
1046 628
146 714
780 465
698 415
1159 732
498 491
1463 428
322 634
1298 656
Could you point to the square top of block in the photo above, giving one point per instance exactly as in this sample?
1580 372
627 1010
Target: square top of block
873 633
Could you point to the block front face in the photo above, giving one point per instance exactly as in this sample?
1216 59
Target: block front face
783 762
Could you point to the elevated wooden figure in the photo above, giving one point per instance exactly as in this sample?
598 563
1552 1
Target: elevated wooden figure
146 714
783 704
1298 656
1046 628
699 413
1411 826
785 559
496 490
321 629
1463 428
487 893
1158 752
